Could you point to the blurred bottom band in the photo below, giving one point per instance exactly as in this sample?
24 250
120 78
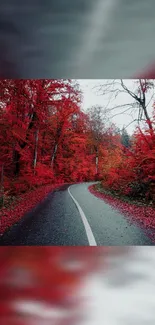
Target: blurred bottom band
42 285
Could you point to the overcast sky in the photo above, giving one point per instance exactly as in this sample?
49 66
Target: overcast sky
92 97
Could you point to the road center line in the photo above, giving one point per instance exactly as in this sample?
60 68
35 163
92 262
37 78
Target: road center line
89 233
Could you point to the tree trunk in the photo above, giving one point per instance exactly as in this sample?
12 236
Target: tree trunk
2 187
36 150
43 151
147 117
22 145
54 154
57 138
96 164
17 162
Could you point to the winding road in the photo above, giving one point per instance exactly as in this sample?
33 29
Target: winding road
72 216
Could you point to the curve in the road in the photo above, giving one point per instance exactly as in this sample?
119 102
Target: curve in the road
89 233
72 216
109 226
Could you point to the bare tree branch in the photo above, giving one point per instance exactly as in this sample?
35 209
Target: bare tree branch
115 87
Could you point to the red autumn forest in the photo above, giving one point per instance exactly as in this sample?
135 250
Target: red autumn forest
47 139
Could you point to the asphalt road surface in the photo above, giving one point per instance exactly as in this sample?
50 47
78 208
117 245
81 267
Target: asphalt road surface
76 39
72 216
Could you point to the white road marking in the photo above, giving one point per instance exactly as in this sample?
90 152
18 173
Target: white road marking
89 233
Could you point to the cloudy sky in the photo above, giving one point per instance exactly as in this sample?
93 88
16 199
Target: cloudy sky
91 96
